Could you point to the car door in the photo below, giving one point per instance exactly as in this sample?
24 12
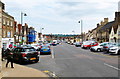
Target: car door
15 54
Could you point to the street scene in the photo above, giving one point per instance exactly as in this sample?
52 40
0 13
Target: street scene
69 61
59 39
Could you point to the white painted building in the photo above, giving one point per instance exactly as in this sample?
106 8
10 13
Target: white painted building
115 36
7 41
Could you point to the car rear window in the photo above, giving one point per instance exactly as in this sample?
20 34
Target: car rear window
29 50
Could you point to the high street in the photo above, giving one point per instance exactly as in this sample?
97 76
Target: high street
70 61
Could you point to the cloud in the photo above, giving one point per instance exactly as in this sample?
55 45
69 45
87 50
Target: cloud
62 15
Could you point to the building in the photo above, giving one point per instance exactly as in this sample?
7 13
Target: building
1 9
7 29
31 35
99 37
24 35
105 31
115 30
115 34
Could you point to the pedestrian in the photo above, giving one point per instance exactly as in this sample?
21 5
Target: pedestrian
10 46
9 58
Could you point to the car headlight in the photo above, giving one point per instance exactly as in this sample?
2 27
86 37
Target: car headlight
113 49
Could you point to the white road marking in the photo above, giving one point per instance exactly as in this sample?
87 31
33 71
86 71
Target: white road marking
111 66
52 53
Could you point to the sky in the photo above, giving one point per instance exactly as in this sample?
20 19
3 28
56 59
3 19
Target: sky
62 16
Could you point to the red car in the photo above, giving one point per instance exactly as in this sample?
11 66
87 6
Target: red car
89 44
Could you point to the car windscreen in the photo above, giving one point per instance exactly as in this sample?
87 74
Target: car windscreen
118 44
103 44
87 43
45 46
29 50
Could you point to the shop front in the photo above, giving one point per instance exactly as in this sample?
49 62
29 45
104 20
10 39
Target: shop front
6 42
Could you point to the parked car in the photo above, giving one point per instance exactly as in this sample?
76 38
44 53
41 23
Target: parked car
54 44
71 42
115 49
89 44
36 46
78 44
99 48
25 54
106 47
45 49
26 45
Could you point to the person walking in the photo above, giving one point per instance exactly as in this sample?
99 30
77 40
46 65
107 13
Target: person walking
9 58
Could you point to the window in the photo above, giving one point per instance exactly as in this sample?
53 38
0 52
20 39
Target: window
8 34
11 23
4 33
7 22
4 21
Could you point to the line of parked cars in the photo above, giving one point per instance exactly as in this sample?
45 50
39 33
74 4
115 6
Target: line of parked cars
94 46
28 53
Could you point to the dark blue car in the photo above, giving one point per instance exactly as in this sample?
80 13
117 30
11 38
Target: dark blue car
45 49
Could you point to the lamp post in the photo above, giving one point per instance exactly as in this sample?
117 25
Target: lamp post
73 32
22 14
41 33
81 29
41 30
73 35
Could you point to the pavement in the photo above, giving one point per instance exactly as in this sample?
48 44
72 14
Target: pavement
20 71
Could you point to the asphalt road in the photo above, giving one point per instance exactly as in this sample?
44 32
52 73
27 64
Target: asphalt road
70 61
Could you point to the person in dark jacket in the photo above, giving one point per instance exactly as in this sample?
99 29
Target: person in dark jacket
9 58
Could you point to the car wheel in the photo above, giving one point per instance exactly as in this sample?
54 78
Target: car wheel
76 45
99 50
50 53
118 52
36 60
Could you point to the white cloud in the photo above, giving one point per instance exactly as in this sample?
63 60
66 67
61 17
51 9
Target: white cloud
59 15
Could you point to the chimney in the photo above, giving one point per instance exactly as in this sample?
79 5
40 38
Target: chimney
106 20
117 17
101 22
98 25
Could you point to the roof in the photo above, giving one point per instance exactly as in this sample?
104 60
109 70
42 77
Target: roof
115 28
107 26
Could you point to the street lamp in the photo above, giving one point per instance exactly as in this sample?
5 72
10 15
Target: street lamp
73 32
41 30
22 14
73 35
41 33
81 29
